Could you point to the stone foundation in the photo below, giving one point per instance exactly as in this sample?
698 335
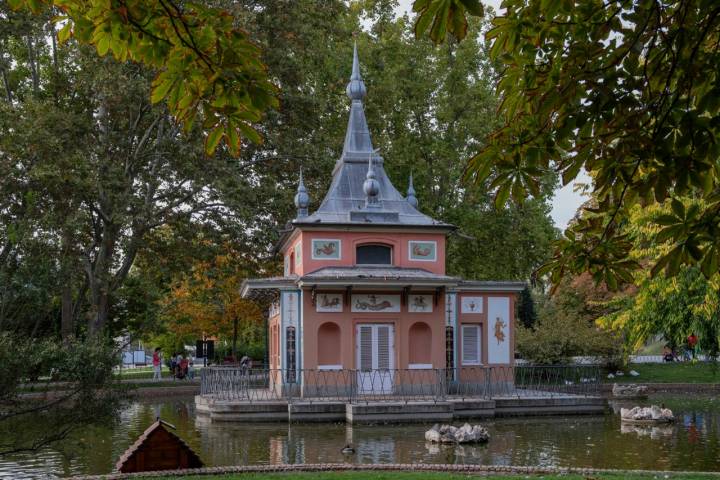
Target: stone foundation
395 412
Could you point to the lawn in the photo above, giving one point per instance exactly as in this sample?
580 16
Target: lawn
675 372
369 475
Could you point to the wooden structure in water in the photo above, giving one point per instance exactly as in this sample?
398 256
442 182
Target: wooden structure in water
158 449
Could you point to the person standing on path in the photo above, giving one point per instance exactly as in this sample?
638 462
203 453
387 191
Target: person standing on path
692 342
157 364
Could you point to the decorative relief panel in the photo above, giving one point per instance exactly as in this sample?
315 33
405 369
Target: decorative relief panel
420 303
450 310
422 251
290 308
375 303
471 305
329 302
325 249
298 253
498 330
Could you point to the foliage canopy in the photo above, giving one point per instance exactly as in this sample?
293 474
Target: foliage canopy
208 67
628 91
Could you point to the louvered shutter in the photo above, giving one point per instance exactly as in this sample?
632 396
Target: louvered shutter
366 347
471 344
383 346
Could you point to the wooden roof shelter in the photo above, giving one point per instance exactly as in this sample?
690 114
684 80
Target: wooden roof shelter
158 449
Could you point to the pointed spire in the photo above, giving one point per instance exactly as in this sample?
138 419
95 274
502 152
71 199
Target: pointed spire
356 88
302 199
411 199
371 187
357 137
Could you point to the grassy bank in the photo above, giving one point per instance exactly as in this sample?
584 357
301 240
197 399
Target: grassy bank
369 475
675 372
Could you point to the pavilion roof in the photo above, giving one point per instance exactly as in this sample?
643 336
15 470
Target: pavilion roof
345 202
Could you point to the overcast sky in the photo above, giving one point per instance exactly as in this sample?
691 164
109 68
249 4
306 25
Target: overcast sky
566 201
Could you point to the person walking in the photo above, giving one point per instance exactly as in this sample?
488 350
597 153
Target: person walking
157 364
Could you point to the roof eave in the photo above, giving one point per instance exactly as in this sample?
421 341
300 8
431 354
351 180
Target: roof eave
481 286
374 282
263 284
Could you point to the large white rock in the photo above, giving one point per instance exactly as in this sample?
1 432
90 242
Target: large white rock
647 414
450 434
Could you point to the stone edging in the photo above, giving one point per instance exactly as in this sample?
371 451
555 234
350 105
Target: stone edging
669 387
447 468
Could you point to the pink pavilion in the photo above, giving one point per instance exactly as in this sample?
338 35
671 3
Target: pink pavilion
364 286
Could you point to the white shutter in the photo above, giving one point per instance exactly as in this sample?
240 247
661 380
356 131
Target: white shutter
383 346
471 344
366 347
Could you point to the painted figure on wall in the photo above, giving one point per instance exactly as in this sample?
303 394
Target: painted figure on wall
326 249
499 330
325 302
372 304
419 303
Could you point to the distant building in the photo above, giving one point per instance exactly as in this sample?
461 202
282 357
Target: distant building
364 286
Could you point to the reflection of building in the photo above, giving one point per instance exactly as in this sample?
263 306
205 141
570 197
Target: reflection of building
365 288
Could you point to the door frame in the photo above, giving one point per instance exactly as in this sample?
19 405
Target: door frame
384 379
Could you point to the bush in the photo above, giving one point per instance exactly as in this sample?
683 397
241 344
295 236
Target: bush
559 335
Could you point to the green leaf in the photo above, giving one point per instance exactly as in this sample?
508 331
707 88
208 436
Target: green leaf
473 6
710 263
678 208
502 195
213 138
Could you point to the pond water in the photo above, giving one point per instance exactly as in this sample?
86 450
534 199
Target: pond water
692 443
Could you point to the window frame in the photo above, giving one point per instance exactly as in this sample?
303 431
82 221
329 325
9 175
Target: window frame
478 327
375 244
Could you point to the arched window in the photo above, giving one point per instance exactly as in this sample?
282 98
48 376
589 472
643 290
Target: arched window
420 339
373 254
328 346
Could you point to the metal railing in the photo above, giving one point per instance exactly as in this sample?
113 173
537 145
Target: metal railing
399 385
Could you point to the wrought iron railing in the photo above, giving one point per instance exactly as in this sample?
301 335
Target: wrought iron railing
399 385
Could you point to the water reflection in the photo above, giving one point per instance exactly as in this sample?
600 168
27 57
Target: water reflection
692 443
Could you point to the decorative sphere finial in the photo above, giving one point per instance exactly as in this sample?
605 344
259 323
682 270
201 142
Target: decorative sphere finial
302 199
411 198
356 88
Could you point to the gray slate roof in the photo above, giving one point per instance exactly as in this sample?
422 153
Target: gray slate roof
344 202
376 273
390 276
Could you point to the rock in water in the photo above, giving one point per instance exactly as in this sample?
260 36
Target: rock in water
629 390
652 414
449 434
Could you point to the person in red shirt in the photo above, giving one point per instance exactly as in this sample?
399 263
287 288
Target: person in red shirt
692 342
157 364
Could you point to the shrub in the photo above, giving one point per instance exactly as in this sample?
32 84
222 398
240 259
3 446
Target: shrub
559 335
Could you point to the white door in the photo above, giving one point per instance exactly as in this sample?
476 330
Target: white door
375 347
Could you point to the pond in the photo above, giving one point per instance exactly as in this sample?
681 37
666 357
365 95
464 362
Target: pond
692 443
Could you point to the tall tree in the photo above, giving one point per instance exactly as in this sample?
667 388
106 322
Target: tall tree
674 307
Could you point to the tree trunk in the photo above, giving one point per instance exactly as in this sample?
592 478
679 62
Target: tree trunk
6 82
67 326
235 337
33 64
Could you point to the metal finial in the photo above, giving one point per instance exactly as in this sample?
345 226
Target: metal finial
411 198
302 199
356 88
371 187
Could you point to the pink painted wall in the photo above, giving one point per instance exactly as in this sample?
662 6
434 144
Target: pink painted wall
347 321
350 240
481 318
